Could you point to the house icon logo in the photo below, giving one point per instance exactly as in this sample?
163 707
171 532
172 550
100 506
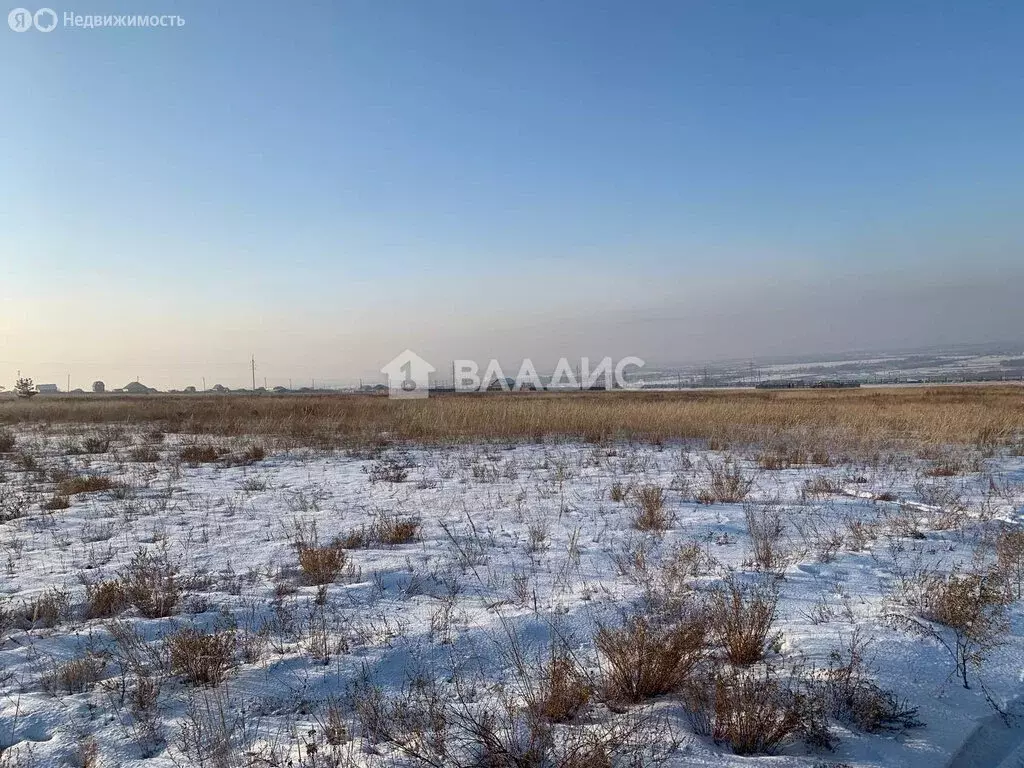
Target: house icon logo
408 376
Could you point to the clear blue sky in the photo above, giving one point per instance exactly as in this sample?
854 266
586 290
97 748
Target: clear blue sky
173 199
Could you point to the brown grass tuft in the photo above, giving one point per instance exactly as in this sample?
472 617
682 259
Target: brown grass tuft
105 599
563 690
200 453
84 484
321 565
203 659
650 513
648 658
741 620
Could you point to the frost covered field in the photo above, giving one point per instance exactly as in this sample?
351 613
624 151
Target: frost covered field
177 599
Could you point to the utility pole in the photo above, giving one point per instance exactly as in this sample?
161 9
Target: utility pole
69 383
204 383
254 373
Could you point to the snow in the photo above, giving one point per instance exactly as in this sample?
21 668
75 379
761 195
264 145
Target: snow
516 541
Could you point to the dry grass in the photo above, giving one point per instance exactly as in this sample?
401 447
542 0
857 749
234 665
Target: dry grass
200 453
46 610
202 659
969 603
150 585
394 529
56 503
1010 561
648 658
650 513
742 619
84 484
821 419
321 565
563 689
144 454
105 599
753 714
77 675
727 485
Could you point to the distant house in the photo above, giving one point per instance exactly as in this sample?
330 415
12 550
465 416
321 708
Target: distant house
135 388
47 389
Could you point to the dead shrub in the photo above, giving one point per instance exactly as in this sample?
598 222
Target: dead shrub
96 443
45 610
105 599
819 486
617 492
649 509
84 484
649 657
754 714
741 620
87 753
143 454
946 467
970 603
7 441
1010 560
859 534
563 689
780 458
151 586
727 484
357 538
77 675
321 565
252 454
394 529
439 727
200 453
854 699
766 529
56 503
388 470
202 659
13 504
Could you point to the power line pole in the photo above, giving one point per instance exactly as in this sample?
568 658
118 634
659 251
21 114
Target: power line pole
254 373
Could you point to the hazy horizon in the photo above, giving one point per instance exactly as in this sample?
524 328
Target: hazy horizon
680 182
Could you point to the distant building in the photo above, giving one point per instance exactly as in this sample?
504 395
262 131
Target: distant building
47 389
135 388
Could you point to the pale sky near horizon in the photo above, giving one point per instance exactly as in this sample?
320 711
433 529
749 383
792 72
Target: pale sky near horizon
326 185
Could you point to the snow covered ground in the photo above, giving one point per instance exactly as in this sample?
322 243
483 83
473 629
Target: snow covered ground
518 548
